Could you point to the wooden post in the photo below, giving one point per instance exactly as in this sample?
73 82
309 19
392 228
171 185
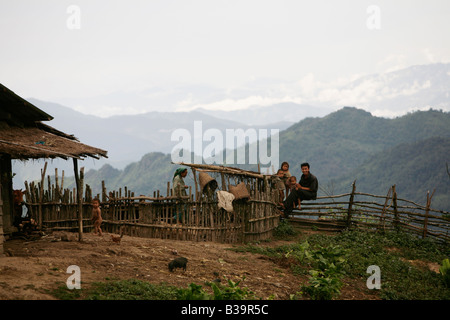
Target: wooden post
62 182
79 182
57 193
224 186
2 240
41 194
427 213
394 203
350 204
382 221
168 189
195 184
104 195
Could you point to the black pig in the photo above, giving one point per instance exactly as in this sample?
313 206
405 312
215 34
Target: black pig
178 263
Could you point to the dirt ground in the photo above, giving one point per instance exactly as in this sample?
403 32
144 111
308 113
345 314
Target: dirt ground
28 268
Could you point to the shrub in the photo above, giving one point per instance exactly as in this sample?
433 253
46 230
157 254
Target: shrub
284 230
131 289
326 277
445 272
230 292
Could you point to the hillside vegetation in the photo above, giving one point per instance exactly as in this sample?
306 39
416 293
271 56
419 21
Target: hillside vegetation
415 168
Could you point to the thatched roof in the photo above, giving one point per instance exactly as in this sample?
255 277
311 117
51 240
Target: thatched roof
43 142
17 110
23 136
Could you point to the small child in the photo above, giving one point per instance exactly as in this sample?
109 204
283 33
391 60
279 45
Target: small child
281 186
290 184
97 216
286 174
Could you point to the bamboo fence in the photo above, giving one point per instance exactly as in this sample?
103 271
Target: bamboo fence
370 212
197 217
194 217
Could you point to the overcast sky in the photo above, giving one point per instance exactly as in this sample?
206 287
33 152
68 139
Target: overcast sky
181 54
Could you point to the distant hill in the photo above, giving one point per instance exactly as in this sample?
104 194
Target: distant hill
284 113
415 168
150 173
347 145
341 141
126 138
129 137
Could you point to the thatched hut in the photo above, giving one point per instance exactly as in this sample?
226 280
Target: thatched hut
24 136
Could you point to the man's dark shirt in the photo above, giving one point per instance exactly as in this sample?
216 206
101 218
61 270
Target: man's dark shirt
311 183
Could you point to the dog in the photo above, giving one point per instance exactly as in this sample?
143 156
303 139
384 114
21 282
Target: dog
180 262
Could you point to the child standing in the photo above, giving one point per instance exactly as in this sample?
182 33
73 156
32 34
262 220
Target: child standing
97 216
286 173
280 184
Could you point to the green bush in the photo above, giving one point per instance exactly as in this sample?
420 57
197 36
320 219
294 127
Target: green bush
231 291
445 272
284 230
326 276
322 286
193 292
400 280
131 289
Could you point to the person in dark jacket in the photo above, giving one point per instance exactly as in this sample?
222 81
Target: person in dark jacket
306 189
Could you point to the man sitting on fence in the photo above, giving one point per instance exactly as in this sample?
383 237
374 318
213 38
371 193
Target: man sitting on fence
305 190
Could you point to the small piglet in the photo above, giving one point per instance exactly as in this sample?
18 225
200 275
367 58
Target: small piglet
178 263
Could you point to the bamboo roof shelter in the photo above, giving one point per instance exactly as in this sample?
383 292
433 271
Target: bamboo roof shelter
24 136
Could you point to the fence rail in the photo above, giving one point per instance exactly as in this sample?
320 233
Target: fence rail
373 212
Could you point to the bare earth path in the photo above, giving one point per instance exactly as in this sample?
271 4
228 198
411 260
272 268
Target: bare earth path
30 267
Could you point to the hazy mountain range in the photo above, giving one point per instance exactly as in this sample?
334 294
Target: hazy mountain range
263 101
128 138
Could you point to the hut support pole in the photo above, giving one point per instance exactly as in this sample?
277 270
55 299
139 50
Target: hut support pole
79 182
41 194
2 240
